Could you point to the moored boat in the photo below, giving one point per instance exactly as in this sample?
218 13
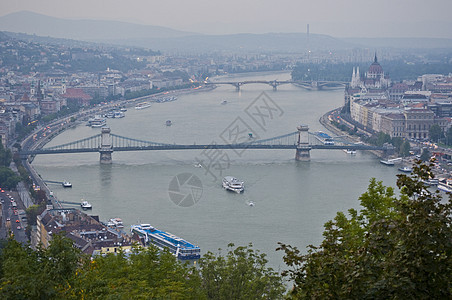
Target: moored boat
143 105
387 162
168 123
164 240
406 169
86 205
350 151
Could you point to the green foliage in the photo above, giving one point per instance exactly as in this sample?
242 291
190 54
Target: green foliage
435 133
5 155
393 248
145 274
425 155
33 211
8 179
405 149
241 274
40 274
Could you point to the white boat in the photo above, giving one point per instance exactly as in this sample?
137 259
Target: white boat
406 169
123 109
97 121
387 162
251 203
67 184
197 165
86 205
444 187
118 114
233 184
169 123
143 105
117 222
350 151
224 102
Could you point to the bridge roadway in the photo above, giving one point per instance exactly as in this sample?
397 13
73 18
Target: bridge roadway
275 83
199 147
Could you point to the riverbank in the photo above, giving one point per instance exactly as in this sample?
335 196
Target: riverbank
326 122
40 137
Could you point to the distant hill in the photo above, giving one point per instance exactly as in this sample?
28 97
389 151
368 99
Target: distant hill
33 23
414 43
167 39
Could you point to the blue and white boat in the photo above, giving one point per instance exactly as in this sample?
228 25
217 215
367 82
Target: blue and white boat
324 138
164 240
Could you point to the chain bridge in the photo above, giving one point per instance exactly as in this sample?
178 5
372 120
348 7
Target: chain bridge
106 143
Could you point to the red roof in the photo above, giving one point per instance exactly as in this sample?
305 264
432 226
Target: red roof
72 93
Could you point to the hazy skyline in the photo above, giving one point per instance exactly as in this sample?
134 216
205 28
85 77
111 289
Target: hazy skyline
346 18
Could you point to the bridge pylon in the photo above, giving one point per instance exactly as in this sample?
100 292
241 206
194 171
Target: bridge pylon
106 147
303 148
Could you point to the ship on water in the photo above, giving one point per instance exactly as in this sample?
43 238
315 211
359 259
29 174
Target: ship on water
164 240
324 138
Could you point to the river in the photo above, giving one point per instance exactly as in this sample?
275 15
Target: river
292 199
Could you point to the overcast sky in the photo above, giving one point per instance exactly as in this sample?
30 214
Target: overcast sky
339 18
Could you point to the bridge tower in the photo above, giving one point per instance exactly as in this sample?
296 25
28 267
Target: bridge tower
106 148
303 148
274 84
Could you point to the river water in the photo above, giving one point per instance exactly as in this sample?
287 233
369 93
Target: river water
292 199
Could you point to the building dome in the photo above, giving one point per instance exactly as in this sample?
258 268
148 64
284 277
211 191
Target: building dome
375 68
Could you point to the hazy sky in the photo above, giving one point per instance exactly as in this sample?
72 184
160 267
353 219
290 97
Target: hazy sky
340 18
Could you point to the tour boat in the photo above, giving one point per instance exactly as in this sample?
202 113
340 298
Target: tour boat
164 240
233 184
406 169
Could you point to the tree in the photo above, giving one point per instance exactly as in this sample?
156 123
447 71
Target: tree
8 179
242 274
393 248
425 155
405 148
435 133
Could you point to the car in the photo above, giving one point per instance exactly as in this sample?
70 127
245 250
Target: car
8 219
18 227
17 221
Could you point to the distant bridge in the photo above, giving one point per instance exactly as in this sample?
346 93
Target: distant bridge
275 83
106 143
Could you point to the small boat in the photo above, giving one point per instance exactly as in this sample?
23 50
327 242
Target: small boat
387 162
431 182
117 222
143 105
118 114
197 165
445 187
406 169
123 109
67 184
350 151
224 102
168 123
251 203
233 184
86 205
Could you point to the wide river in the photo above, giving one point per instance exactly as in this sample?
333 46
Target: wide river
292 199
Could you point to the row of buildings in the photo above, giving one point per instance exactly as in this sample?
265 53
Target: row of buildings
405 109
87 233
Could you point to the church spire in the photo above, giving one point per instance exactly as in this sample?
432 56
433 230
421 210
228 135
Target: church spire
375 59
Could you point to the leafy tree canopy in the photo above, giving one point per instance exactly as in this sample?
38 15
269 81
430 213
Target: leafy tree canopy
393 248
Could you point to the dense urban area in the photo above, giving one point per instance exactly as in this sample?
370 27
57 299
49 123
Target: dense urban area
396 246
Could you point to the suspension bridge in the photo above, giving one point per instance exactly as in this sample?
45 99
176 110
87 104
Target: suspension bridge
106 143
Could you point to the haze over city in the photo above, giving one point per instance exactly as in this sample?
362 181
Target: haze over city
351 18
